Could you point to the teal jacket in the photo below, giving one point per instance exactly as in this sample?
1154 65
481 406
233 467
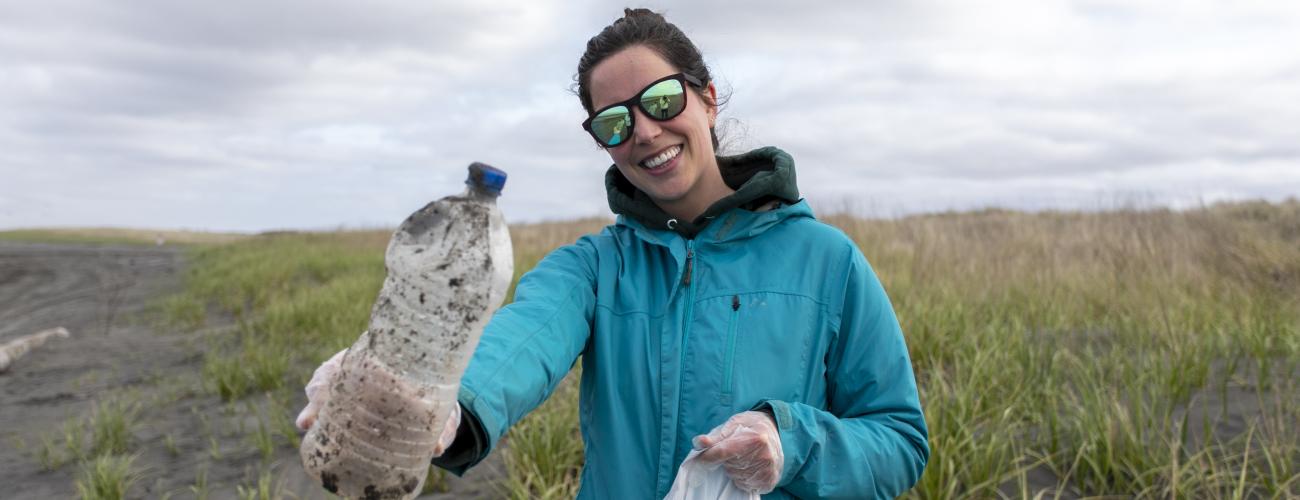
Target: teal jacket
758 309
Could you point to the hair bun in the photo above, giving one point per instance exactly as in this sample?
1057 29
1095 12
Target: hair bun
629 13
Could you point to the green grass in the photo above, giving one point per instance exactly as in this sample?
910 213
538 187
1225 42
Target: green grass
118 236
107 477
106 430
1094 349
435 481
48 454
544 453
200 488
169 443
111 424
1075 342
74 438
296 299
264 489
263 438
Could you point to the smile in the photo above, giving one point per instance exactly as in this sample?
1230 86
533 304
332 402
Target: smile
662 158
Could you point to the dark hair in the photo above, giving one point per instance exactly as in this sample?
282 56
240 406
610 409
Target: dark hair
643 27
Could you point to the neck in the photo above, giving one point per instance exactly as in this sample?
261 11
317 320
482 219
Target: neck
708 191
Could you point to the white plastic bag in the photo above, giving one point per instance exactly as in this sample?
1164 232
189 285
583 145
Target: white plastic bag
699 481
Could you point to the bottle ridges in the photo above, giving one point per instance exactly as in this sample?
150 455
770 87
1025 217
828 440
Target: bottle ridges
448 266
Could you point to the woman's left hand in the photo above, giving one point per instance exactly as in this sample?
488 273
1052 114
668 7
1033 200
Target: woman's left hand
748 447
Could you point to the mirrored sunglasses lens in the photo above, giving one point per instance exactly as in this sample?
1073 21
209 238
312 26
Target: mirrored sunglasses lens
664 100
611 126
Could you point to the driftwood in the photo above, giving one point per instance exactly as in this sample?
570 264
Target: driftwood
14 349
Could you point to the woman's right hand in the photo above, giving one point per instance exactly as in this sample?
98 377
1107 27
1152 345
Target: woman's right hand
318 392
318 389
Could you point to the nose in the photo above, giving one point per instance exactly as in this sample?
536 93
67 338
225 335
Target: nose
646 128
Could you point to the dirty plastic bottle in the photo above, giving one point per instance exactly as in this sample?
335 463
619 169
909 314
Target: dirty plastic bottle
449 265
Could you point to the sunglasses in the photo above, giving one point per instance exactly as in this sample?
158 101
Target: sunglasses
661 101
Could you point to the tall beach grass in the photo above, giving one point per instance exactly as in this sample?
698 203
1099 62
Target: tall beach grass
1149 353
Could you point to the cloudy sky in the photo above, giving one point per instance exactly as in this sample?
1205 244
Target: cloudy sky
254 115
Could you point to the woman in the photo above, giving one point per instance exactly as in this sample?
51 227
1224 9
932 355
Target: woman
715 314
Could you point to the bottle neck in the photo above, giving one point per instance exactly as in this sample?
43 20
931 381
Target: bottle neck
476 192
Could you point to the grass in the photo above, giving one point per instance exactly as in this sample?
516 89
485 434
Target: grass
107 477
106 430
169 443
281 421
263 438
296 299
544 456
1148 353
265 489
118 236
1118 321
111 425
48 453
435 481
74 438
200 488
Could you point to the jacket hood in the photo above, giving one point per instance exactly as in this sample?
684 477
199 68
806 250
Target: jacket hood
758 177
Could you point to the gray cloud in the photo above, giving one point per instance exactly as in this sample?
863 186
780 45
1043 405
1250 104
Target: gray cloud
243 115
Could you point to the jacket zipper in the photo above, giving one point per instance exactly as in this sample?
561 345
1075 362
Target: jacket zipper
731 350
686 327
690 257
690 301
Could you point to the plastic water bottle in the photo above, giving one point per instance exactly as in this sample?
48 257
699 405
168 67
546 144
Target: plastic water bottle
449 265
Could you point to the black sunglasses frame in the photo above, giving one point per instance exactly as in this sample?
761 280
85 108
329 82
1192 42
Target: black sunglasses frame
636 101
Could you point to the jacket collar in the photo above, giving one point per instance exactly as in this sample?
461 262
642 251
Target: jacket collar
734 225
758 177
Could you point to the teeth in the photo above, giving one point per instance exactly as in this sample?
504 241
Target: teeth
662 158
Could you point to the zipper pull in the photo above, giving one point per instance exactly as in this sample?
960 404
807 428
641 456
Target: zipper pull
735 302
686 277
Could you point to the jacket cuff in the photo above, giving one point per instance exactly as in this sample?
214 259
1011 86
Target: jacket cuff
780 411
471 444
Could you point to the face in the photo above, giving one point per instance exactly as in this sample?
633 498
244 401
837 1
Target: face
672 161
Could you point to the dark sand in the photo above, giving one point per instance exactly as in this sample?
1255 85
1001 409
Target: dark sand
101 295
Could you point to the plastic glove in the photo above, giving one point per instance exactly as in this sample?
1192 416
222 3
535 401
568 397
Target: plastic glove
448 431
748 447
318 392
318 389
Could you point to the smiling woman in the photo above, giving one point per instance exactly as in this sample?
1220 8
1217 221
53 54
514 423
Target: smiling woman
716 319
669 158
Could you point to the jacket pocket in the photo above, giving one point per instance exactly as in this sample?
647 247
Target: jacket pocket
728 367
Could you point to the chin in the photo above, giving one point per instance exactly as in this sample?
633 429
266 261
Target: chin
666 198
666 193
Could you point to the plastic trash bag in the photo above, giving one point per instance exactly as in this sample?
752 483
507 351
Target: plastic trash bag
701 481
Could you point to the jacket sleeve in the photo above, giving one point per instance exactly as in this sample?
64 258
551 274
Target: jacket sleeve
871 441
526 349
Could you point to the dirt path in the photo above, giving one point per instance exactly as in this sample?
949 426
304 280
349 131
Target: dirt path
101 295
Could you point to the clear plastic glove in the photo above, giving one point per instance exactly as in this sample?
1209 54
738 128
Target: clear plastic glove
318 392
748 447
318 389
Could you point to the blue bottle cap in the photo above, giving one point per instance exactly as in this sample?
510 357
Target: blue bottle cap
486 177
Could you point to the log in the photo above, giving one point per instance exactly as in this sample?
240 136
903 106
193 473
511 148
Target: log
17 348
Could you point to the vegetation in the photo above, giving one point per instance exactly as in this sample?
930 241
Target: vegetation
295 300
107 477
111 422
118 236
1076 353
1111 353
544 455
1148 353
108 426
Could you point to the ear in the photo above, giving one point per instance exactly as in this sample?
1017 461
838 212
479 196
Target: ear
712 102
